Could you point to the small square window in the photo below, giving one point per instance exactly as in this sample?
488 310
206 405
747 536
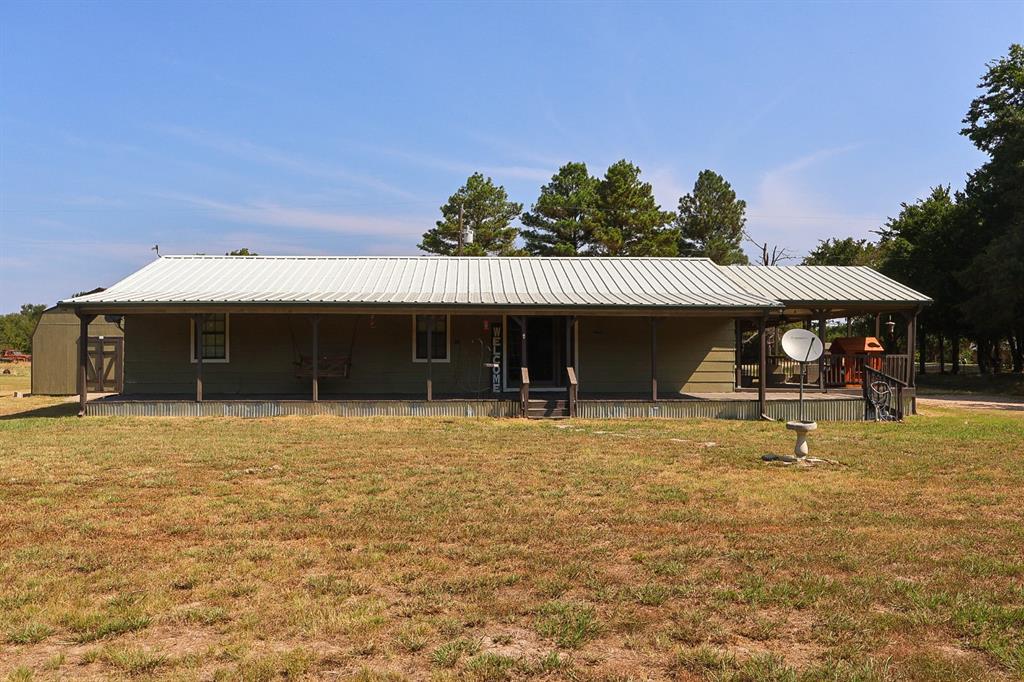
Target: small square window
439 343
213 340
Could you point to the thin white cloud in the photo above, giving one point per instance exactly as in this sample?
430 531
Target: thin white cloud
785 211
500 173
297 217
269 156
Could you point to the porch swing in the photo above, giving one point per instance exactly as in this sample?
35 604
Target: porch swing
330 366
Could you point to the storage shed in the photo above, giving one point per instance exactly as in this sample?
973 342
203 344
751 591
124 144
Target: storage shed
55 346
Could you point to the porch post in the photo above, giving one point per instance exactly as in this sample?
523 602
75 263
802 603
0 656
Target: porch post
762 368
911 342
921 339
942 353
522 342
316 357
654 359
430 358
878 325
569 322
197 325
83 360
738 324
821 358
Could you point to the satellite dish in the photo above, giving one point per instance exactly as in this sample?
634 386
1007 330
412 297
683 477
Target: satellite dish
802 345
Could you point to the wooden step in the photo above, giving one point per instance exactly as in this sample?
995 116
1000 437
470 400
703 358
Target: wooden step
547 409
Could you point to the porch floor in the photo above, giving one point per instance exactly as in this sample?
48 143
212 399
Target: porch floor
746 395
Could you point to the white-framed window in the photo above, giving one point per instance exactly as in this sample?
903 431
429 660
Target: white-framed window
214 339
441 344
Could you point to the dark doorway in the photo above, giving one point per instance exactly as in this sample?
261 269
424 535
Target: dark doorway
549 350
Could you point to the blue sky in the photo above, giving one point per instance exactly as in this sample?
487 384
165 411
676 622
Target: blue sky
339 128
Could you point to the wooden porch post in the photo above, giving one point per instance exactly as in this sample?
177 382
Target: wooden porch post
430 358
921 339
942 353
878 325
522 342
762 368
83 360
568 342
654 359
911 342
197 324
821 359
316 357
739 353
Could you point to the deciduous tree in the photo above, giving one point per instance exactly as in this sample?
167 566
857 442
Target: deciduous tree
847 251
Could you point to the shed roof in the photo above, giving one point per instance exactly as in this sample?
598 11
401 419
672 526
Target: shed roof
822 284
430 280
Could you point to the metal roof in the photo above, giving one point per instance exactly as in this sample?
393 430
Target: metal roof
821 284
430 280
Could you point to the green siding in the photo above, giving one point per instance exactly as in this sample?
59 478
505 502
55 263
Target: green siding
55 350
695 354
263 350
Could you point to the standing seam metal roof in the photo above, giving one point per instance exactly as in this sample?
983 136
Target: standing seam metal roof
497 281
430 280
819 284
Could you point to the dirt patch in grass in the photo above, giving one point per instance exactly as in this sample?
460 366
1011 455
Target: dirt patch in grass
501 549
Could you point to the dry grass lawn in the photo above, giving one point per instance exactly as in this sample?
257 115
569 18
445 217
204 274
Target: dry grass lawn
491 550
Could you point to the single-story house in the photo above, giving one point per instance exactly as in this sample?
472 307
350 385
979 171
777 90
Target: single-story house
463 335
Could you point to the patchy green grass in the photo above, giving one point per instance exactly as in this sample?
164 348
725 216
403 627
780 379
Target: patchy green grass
984 384
380 549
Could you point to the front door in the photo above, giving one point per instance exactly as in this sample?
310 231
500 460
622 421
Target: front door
548 350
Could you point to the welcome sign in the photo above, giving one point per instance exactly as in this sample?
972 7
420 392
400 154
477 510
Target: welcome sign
496 351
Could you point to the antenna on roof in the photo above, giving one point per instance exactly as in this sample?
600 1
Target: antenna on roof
156 247
465 236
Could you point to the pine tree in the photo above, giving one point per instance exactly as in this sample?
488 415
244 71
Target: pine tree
711 221
630 222
486 212
564 215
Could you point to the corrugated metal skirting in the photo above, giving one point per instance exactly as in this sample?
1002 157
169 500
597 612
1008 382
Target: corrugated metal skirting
279 408
782 410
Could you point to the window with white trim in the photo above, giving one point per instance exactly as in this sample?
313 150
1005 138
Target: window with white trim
440 343
213 339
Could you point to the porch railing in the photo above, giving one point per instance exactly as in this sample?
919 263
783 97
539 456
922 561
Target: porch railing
840 370
524 390
573 389
883 396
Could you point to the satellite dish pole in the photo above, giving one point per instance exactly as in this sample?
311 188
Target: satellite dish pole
803 346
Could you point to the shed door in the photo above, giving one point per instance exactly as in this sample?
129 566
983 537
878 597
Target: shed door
104 371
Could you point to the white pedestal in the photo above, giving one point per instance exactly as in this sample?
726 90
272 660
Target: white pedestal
801 429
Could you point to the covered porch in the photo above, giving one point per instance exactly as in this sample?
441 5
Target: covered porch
534 337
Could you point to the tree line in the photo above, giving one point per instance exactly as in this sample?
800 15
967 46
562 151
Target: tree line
578 214
964 248
16 328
